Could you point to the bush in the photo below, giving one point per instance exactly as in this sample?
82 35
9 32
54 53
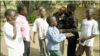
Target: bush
31 19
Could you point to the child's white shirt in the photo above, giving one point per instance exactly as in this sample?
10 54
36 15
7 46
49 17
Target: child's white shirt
89 27
16 44
41 27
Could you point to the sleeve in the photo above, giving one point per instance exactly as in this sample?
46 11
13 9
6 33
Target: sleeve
8 31
56 38
74 27
46 30
35 26
95 28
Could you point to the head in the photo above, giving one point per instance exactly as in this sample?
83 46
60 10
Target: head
90 12
51 20
71 8
42 12
61 10
22 9
10 15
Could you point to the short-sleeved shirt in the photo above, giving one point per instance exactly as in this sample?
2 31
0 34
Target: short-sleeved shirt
15 44
41 27
89 27
25 27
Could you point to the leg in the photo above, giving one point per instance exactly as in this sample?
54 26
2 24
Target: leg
71 47
80 50
47 52
62 47
89 51
41 43
27 48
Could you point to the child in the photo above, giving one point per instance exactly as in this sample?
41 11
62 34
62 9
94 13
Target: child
89 31
12 35
60 17
25 28
54 37
71 26
41 26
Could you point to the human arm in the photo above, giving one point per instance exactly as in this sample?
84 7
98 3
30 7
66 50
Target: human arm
94 31
35 30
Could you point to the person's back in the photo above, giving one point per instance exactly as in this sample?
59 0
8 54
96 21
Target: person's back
54 37
12 35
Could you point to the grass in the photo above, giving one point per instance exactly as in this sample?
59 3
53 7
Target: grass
98 35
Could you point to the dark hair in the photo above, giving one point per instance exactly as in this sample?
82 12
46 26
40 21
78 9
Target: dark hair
93 10
41 9
73 6
49 18
8 11
20 8
64 8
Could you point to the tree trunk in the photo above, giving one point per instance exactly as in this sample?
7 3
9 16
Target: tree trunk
85 4
5 5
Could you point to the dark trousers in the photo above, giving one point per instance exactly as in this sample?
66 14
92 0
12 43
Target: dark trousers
27 48
71 49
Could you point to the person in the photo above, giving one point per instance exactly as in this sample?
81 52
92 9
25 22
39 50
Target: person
41 26
12 34
71 26
54 37
60 17
25 28
89 31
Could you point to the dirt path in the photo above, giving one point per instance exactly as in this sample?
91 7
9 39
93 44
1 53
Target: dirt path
34 48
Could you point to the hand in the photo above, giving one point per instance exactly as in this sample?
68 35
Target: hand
83 40
69 35
24 39
77 41
12 22
45 37
34 41
60 31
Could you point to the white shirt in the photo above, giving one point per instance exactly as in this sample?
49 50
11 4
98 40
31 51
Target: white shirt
89 27
16 44
40 26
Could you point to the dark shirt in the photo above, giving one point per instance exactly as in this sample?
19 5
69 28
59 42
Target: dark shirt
60 22
71 25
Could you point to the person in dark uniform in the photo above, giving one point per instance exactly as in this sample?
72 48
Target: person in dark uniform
71 26
60 17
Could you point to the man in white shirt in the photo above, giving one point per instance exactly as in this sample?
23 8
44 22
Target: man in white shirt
41 26
12 35
89 31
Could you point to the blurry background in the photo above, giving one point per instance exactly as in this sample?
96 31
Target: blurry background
51 7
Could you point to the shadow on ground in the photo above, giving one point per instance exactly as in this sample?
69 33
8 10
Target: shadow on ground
2 54
34 52
96 50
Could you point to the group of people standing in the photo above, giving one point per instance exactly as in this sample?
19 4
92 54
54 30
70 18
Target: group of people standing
52 31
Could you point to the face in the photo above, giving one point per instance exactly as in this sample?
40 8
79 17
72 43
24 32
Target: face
12 16
43 12
89 13
68 9
54 21
61 11
24 12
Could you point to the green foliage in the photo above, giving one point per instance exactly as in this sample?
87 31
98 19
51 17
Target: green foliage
31 19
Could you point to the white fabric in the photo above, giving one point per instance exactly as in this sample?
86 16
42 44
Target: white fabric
89 27
41 27
13 45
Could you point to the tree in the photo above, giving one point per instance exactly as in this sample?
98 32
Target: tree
5 5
